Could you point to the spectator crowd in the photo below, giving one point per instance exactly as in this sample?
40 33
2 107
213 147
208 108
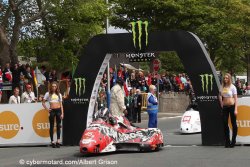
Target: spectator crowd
138 82
21 81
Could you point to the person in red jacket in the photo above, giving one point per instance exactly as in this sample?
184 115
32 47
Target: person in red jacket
7 74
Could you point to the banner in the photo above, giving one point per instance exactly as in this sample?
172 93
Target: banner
24 124
243 121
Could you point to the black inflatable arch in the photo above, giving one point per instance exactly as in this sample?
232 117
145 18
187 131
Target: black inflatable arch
193 56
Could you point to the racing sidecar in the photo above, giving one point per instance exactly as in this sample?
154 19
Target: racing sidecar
108 134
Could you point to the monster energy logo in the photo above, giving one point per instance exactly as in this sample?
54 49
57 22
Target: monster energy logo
80 86
139 24
206 80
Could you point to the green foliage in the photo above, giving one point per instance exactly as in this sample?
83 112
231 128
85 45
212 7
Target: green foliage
64 31
170 62
221 24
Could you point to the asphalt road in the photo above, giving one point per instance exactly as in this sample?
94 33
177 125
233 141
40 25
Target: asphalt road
179 151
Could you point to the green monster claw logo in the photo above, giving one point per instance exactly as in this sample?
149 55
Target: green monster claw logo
207 79
139 23
80 86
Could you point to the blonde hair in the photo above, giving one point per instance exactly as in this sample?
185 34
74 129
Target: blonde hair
152 87
229 80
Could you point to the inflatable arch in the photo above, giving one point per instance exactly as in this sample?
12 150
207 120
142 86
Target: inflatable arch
193 55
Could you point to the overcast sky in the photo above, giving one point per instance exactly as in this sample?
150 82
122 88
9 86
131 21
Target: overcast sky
116 30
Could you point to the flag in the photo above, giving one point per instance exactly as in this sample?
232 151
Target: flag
39 77
114 76
125 87
34 78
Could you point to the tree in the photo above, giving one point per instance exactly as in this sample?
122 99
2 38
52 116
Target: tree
221 25
16 15
68 28
54 31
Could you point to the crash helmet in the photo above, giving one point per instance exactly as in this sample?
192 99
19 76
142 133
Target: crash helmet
112 120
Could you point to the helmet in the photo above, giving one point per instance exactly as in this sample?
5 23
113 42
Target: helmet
112 121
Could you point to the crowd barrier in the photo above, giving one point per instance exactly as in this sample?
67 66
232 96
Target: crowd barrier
24 124
144 101
243 121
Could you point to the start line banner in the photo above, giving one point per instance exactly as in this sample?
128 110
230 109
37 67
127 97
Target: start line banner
24 124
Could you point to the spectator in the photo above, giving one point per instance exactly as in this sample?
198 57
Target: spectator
154 79
238 86
45 72
149 81
177 83
125 73
16 76
133 81
137 102
66 76
28 96
120 73
15 98
7 74
28 75
22 82
104 81
53 76
167 86
140 80
144 87
183 81
129 105
40 98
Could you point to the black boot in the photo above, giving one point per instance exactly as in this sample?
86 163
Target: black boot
53 145
227 144
232 144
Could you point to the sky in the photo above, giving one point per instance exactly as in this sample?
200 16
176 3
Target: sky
116 30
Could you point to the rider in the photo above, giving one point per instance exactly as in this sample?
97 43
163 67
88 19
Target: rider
117 104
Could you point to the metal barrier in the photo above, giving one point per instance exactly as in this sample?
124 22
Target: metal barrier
144 101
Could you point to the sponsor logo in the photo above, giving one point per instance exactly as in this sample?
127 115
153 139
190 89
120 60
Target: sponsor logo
207 82
186 119
40 123
138 26
207 98
243 121
80 86
143 135
140 41
140 57
9 124
80 101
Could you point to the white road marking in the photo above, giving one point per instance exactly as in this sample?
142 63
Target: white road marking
179 146
170 117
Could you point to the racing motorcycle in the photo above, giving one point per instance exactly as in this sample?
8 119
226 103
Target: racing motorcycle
108 134
190 121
